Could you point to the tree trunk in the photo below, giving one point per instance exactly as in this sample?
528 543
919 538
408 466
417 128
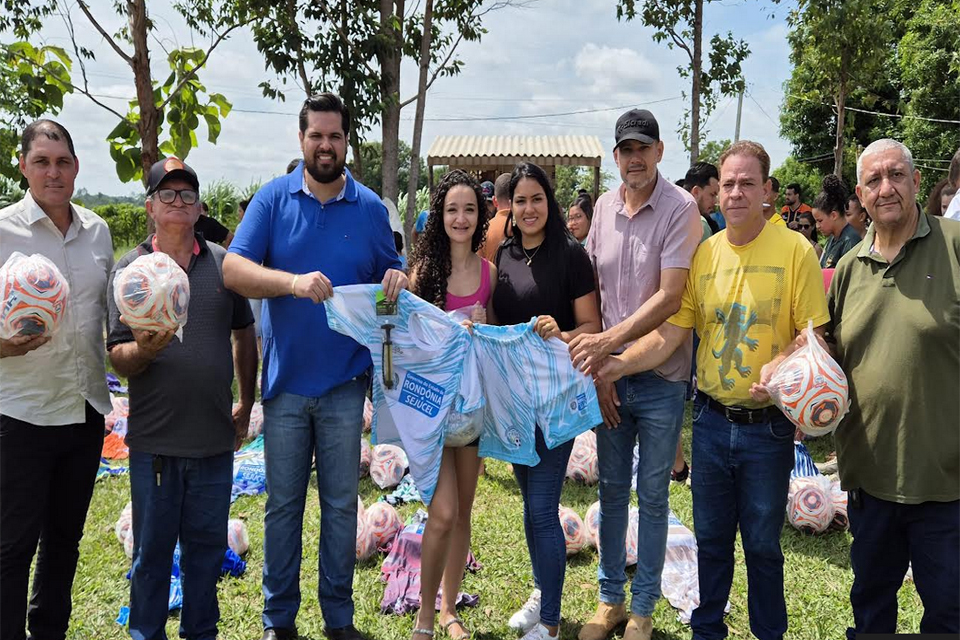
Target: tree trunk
841 103
149 117
418 120
697 64
348 93
390 90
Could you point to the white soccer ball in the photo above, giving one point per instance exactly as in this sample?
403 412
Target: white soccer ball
388 465
152 293
34 296
383 522
574 535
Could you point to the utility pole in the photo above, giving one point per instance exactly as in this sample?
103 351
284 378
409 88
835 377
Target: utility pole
736 133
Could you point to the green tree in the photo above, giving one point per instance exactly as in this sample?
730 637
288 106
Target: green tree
805 174
568 180
836 55
712 149
165 115
679 23
929 65
33 81
372 159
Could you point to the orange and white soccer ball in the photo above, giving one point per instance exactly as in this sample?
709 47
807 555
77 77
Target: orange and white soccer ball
383 522
387 465
152 293
238 538
809 507
591 523
574 534
582 465
361 511
34 296
124 522
631 543
811 389
366 543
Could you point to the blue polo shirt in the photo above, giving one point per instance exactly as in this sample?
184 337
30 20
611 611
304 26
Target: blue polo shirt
349 240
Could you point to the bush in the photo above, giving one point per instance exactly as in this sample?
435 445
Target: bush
127 222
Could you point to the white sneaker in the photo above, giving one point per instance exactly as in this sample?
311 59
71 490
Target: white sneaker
539 632
528 616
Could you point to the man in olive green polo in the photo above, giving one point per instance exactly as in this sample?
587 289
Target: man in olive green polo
895 325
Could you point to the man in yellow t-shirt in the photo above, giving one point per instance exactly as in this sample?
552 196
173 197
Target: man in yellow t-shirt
770 204
750 291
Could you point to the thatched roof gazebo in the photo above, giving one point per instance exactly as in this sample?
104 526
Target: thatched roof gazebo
489 156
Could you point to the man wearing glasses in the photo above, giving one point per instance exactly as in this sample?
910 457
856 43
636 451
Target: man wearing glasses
181 432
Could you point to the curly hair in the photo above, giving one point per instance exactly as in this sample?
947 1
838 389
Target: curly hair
833 195
431 257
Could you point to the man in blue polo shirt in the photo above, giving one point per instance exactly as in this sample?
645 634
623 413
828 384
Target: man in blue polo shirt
302 235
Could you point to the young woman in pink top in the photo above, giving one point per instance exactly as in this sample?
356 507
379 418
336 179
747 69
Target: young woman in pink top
446 271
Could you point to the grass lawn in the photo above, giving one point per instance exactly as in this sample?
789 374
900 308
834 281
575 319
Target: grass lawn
818 575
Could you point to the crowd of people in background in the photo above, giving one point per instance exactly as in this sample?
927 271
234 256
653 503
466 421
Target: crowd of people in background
659 296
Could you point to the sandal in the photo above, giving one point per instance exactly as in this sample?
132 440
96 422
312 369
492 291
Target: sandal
680 476
463 636
422 632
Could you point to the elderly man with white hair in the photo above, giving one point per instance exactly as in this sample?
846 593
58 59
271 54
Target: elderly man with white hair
895 328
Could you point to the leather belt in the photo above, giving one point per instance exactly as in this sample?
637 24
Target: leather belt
741 415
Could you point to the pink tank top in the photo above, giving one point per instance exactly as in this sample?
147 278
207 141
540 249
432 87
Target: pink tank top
480 296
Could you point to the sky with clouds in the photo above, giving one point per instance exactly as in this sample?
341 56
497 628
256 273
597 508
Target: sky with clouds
555 57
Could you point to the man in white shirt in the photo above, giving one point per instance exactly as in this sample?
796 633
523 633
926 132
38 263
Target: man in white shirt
53 392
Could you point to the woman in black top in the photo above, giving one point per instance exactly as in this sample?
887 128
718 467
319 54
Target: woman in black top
543 271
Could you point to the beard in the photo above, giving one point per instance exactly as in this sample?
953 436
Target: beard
324 176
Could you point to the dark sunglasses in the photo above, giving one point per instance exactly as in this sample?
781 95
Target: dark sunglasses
187 196
806 226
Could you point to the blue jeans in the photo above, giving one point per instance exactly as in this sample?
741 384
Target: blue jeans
192 503
540 487
886 537
741 473
294 428
651 412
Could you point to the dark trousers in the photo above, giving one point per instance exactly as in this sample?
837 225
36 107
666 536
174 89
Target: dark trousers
46 481
886 537
192 503
740 479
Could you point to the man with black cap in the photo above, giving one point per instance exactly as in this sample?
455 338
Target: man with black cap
641 242
489 191
181 433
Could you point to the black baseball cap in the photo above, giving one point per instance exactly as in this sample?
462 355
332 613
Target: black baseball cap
639 125
168 168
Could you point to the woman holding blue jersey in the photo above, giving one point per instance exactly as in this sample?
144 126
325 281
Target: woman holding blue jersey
445 270
544 272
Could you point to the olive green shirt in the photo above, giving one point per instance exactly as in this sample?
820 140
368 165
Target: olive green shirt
896 328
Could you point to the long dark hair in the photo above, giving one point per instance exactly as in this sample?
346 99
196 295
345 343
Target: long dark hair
431 257
555 231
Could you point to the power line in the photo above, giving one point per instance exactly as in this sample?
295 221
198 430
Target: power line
923 166
875 113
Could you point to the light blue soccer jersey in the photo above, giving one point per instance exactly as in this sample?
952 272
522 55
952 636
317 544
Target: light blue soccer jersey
529 382
429 350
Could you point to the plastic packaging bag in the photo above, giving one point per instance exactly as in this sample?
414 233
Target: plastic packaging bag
34 296
153 294
811 388
463 428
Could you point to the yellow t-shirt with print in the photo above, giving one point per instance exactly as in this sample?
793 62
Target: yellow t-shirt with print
777 221
747 304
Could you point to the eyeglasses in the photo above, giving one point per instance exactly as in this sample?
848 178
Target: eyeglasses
187 196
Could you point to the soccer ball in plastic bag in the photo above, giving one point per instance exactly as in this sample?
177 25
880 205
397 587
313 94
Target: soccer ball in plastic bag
591 523
34 296
582 465
463 428
153 294
383 523
238 539
387 465
128 544
633 523
124 522
361 511
367 415
365 456
573 530
366 542
809 506
811 388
